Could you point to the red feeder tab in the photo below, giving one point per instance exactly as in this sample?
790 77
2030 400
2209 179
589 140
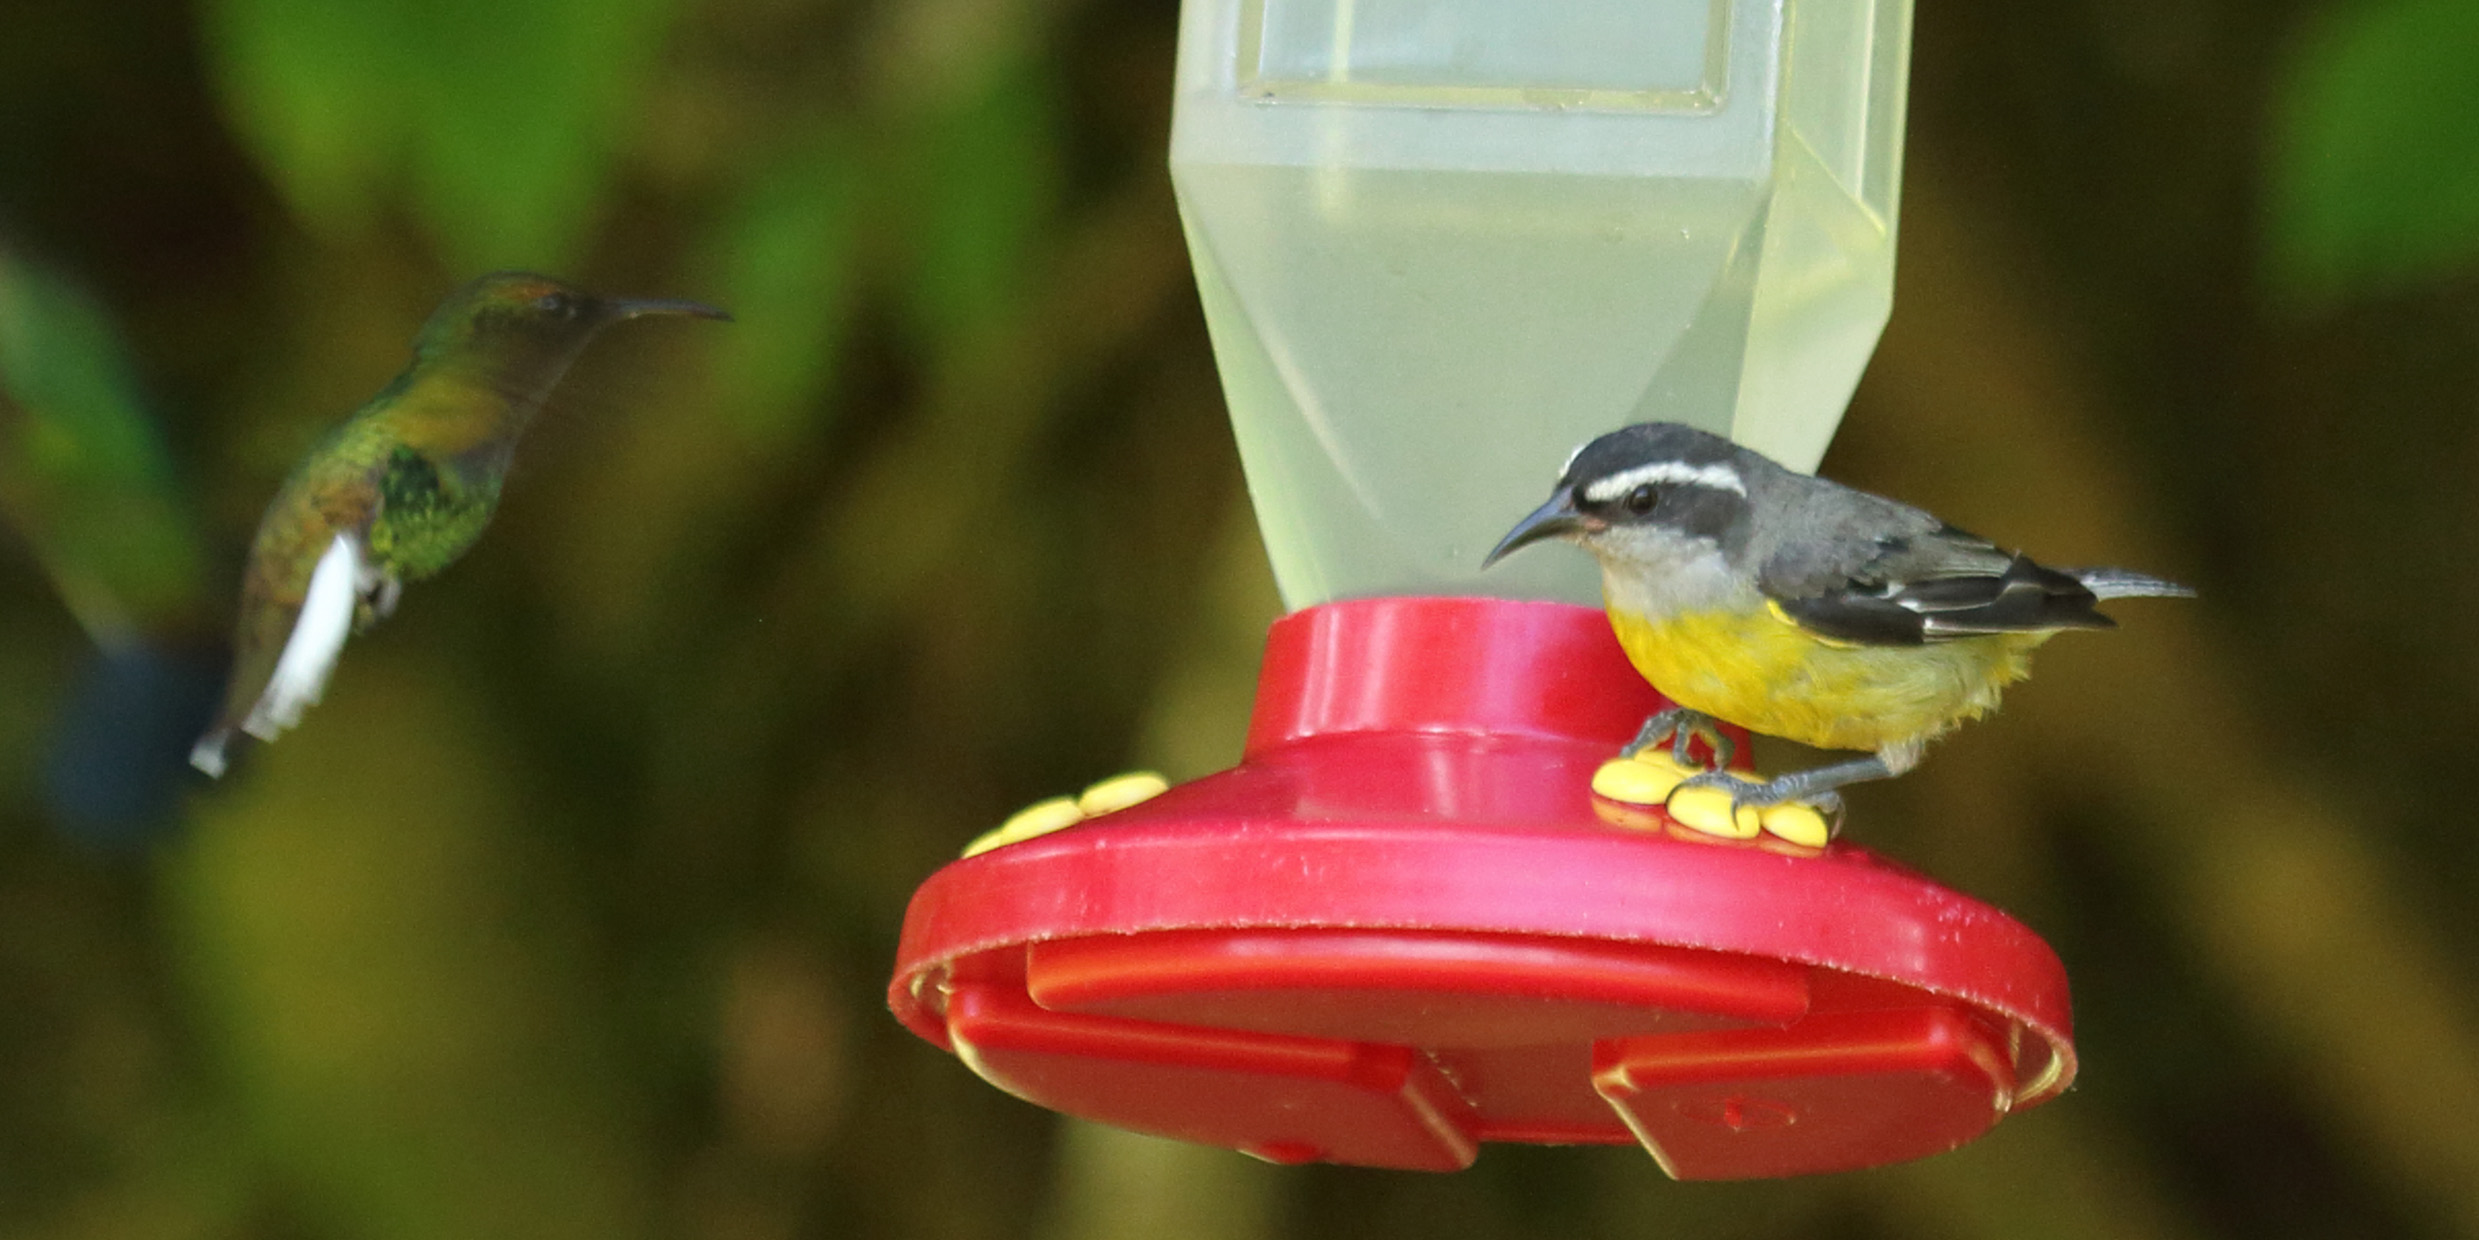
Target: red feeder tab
1403 926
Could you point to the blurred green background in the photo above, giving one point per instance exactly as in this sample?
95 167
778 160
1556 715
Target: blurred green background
568 913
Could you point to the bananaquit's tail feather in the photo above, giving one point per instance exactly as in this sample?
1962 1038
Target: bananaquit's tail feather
2119 583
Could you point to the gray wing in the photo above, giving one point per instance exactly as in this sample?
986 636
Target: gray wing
1910 589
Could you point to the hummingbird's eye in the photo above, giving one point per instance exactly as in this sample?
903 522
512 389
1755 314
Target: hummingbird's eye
1642 499
557 305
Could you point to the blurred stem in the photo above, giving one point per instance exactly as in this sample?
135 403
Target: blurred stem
873 547
2052 1175
984 408
389 974
1198 718
1118 1185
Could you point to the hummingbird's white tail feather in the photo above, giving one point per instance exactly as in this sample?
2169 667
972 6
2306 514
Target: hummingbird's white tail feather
326 619
208 754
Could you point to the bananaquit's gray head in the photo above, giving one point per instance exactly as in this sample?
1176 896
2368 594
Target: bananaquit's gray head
1652 483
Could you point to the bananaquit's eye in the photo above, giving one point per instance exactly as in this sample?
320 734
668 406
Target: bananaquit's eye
1642 499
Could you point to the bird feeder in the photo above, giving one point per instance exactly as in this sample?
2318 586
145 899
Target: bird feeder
1439 243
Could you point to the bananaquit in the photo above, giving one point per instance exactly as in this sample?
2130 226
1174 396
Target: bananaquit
1801 608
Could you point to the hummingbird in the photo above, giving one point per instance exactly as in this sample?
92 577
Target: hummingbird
401 489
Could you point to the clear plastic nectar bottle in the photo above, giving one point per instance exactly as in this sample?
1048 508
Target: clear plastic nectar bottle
1442 242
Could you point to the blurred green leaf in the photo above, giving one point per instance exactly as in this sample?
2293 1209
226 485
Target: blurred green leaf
83 471
791 280
499 120
990 181
523 108
2374 177
315 90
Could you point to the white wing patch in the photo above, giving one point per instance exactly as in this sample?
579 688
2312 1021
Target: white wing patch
1717 476
326 619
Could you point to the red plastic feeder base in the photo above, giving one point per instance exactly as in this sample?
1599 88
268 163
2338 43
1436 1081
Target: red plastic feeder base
1404 926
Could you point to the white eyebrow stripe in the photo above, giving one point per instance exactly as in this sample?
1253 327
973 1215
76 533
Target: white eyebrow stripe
1717 476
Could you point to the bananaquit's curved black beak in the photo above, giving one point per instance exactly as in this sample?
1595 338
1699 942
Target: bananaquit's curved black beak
1555 519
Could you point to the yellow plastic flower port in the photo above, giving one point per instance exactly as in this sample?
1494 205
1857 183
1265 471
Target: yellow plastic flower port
1059 813
1645 779
1038 819
1119 792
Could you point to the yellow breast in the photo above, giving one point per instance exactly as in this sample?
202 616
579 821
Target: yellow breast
1762 672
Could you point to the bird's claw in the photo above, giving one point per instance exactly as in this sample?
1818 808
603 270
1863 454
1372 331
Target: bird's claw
1720 803
376 594
1682 727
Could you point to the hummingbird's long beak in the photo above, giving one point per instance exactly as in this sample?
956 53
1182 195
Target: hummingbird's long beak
636 307
1555 519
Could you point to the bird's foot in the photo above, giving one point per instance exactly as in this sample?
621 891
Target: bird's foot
1723 804
375 596
1682 728
1717 802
